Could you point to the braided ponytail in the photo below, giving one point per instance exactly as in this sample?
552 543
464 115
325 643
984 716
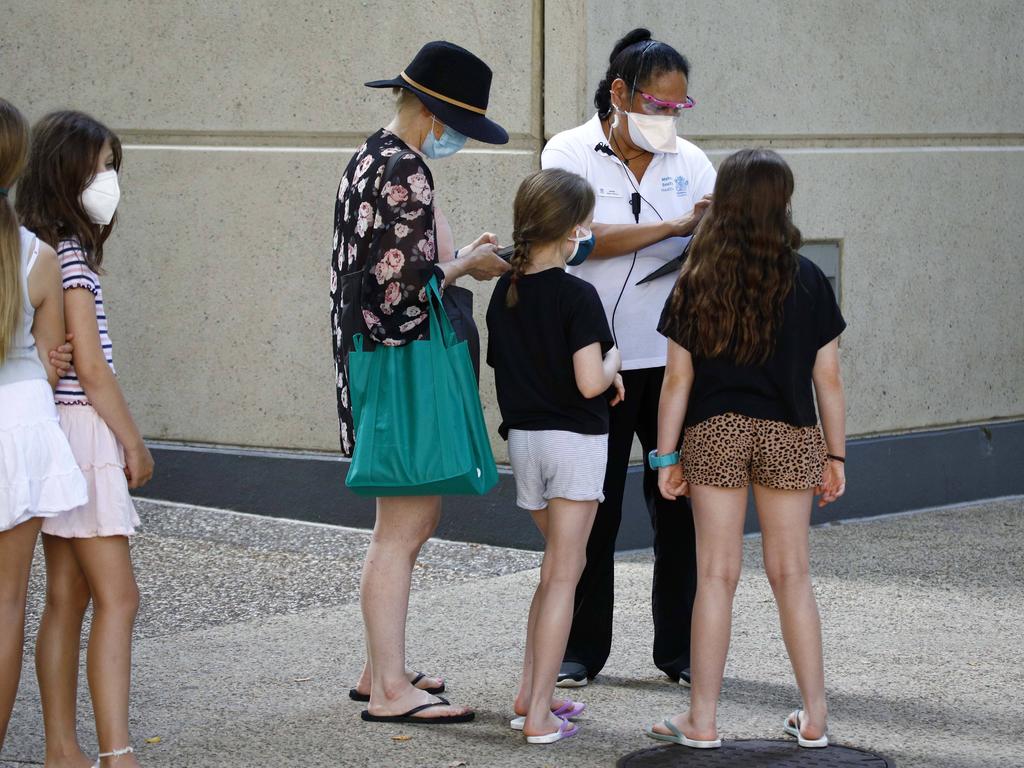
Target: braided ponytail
520 259
548 204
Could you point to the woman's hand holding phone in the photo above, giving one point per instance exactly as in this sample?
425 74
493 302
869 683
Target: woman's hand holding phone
481 259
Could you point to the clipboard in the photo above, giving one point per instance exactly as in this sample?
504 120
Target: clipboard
670 267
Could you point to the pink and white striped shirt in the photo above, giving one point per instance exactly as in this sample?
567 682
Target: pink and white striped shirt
75 273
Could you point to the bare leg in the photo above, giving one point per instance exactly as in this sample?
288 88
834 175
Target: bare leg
785 519
107 565
568 528
718 515
17 546
57 648
522 702
403 525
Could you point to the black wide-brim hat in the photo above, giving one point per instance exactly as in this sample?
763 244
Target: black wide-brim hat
454 85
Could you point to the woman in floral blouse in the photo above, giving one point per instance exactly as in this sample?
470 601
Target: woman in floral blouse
385 252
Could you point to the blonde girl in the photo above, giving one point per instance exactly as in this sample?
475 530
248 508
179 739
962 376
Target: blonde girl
38 475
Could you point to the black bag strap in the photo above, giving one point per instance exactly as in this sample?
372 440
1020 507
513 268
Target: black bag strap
389 168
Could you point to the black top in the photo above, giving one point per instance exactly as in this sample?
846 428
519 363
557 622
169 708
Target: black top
530 346
780 389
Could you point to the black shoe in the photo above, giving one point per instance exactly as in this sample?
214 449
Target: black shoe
684 678
572 675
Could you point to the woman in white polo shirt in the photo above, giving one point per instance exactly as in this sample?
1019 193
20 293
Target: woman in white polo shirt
652 187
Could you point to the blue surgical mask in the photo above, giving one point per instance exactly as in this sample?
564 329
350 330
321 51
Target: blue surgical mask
583 249
451 141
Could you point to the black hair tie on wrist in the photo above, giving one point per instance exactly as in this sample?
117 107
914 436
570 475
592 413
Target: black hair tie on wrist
840 459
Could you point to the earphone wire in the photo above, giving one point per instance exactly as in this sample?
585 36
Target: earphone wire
626 172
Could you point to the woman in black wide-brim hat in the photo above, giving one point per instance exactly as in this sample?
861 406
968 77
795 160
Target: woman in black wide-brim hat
386 248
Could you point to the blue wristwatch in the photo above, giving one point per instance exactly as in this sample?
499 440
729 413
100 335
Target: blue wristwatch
657 462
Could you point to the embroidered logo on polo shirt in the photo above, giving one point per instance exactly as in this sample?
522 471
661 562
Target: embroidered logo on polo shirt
680 185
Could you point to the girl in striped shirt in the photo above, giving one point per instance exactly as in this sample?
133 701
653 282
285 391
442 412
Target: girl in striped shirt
68 197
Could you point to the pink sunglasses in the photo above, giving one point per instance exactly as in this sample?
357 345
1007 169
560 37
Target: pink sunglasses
673 106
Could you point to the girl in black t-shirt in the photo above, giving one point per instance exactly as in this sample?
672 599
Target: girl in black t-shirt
751 325
553 359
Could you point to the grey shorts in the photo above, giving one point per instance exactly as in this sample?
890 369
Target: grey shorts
552 464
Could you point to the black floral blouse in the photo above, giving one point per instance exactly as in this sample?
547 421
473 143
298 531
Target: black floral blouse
384 232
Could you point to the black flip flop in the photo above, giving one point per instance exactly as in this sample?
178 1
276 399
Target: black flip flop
408 716
365 697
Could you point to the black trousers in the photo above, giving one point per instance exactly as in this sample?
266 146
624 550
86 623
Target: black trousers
675 564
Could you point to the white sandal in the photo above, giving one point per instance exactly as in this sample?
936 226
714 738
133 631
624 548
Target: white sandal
116 753
676 736
565 730
796 716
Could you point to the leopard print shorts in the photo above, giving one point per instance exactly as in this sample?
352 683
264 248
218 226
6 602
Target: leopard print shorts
733 451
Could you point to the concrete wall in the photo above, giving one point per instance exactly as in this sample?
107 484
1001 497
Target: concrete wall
901 121
238 119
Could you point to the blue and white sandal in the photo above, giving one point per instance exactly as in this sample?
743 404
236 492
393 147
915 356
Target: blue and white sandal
796 716
678 737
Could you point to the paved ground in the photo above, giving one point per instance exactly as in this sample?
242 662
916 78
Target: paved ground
250 637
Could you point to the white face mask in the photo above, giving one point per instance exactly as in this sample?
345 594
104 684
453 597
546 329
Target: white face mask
655 133
101 197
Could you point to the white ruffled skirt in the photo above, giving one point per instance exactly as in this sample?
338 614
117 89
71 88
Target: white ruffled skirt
109 510
39 476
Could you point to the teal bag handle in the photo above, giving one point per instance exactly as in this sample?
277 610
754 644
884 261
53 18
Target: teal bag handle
439 317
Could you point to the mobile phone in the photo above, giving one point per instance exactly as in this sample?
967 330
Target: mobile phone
506 252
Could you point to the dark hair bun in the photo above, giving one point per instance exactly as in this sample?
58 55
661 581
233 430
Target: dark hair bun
632 37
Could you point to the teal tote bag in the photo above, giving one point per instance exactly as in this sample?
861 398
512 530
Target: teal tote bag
419 426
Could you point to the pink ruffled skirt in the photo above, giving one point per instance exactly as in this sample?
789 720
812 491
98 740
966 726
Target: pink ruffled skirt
109 510
39 476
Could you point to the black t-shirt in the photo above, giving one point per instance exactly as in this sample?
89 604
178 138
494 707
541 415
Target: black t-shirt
780 389
530 346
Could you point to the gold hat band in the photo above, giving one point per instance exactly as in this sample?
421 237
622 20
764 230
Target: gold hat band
441 96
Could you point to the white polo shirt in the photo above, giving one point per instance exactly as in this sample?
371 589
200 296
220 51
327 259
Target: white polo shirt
671 185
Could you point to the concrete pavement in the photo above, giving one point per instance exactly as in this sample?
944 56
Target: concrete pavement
250 636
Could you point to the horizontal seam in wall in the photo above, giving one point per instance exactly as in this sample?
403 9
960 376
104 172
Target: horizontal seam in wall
268 140
523 144
900 150
711 150
861 140
301 150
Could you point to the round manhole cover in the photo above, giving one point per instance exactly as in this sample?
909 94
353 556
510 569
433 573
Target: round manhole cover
753 754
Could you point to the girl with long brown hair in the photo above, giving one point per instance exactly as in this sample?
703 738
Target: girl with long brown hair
38 474
554 361
68 196
752 325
